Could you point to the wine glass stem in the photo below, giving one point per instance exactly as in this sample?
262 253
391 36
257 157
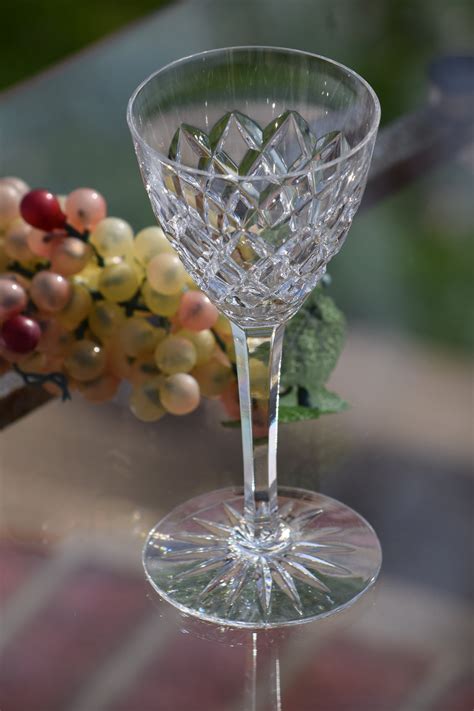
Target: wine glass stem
258 354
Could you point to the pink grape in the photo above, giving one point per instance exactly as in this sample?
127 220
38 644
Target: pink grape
18 183
85 208
17 278
20 334
55 339
69 256
9 355
50 291
180 394
230 400
41 243
13 298
196 312
10 198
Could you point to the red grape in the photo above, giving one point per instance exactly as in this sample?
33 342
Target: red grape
41 209
20 334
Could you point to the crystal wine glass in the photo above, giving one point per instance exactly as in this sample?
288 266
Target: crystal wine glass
255 160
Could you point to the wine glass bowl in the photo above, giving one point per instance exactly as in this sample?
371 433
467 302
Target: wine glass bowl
255 160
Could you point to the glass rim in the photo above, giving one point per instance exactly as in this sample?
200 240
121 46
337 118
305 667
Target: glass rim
248 178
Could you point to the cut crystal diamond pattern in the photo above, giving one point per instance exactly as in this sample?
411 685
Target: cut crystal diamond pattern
257 227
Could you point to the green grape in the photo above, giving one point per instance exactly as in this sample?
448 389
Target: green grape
150 242
138 337
144 368
203 341
112 237
77 308
105 319
118 362
175 355
85 361
89 276
118 282
4 258
145 400
101 389
159 303
166 274
223 328
179 394
259 379
230 351
190 283
138 268
16 242
213 377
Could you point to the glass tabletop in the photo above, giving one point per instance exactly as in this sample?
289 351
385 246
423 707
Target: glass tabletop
82 484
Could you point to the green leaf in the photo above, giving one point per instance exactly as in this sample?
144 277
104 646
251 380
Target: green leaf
297 413
324 402
231 424
262 352
328 402
313 342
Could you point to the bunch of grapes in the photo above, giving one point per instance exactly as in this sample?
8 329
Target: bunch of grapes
84 299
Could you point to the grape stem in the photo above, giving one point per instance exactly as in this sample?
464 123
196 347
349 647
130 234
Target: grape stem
57 378
84 236
72 232
303 397
133 304
23 271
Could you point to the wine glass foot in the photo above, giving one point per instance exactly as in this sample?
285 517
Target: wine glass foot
205 559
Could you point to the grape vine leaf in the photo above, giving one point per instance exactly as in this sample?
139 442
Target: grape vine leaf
314 339
323 402
313 342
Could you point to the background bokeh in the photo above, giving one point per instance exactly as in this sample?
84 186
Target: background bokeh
416 244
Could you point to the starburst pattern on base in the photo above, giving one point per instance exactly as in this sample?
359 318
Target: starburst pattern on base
306 566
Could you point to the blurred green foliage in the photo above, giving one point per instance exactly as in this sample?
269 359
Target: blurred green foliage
37 33
408 262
